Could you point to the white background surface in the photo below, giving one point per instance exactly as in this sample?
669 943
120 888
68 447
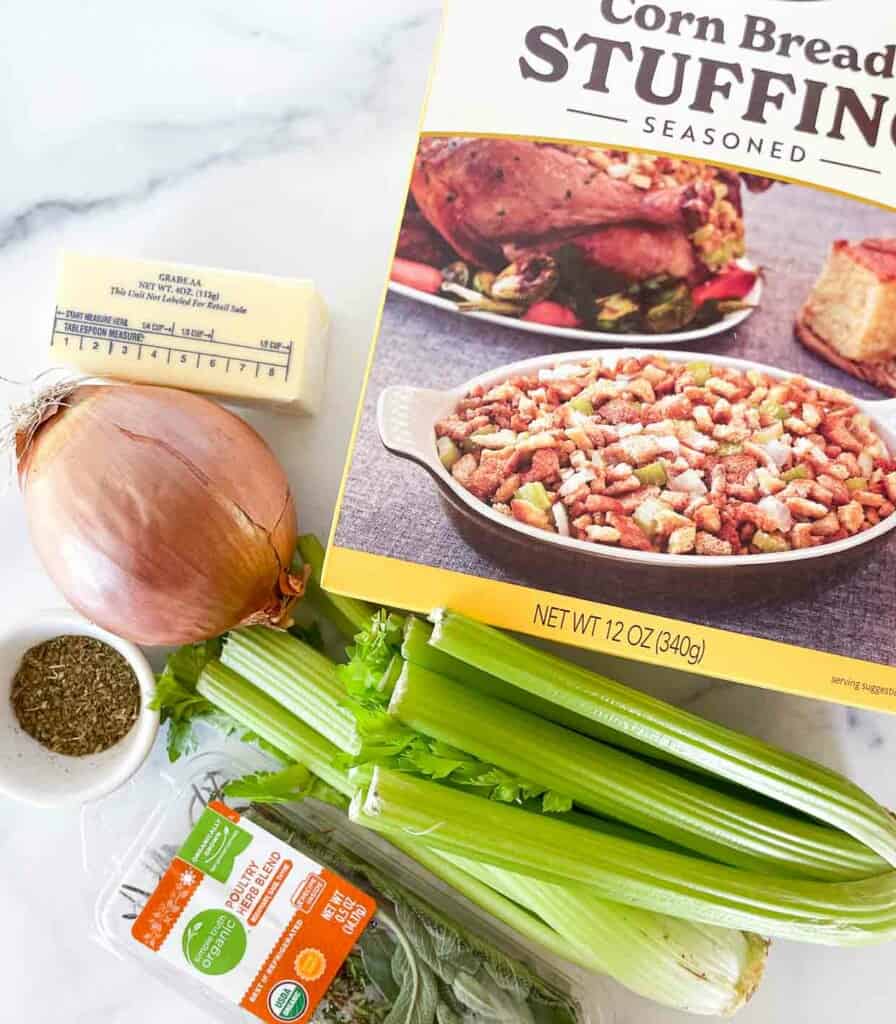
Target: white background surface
277 137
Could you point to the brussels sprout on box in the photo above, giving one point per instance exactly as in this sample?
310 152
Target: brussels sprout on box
529 279
619 314
673 310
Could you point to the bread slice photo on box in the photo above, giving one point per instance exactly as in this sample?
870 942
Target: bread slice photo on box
850 316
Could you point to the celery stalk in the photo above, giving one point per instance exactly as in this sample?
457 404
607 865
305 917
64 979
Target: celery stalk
826 913
792 780
416 648
617 785
347 614
653 955
418 651
245 703
391 676
462 875
297 677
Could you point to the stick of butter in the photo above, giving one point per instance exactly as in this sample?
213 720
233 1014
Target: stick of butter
245 337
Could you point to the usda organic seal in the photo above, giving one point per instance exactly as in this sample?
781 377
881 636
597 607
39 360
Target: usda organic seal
287 1000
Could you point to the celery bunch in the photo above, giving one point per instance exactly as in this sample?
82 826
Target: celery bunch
692 967
620 832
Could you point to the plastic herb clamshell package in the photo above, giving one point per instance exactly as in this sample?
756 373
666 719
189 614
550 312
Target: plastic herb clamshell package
287 913
634 383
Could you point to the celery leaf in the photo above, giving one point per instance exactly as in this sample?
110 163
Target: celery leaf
283 787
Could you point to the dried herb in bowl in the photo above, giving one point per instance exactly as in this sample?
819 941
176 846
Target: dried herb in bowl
75 695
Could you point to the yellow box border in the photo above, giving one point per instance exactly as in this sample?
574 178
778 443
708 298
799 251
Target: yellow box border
736 657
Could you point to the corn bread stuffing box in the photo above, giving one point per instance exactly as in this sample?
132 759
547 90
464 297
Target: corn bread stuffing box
634 381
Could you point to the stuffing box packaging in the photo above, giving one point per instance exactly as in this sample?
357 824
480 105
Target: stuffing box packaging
634 380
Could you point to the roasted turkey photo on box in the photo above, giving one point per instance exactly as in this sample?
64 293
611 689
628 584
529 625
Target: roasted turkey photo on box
599 244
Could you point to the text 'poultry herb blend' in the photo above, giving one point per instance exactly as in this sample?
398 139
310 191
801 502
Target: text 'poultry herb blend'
75 695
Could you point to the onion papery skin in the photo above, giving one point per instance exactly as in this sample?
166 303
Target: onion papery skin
160 515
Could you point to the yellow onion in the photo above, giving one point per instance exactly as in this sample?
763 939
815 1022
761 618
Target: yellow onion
160 515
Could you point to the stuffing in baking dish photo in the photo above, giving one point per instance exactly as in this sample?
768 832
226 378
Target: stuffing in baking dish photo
673 458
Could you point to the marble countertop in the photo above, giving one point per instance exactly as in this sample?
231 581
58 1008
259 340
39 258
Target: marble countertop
274 137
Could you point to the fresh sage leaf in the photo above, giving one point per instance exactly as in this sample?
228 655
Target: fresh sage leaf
485 998
377 949
445 1014
417 935
509 980
418 994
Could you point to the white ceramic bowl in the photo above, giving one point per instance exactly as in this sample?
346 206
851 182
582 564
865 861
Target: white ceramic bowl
33 774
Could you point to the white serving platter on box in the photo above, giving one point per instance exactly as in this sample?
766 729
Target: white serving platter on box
574 334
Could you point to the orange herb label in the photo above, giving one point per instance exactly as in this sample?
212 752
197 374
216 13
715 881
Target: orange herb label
267 927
